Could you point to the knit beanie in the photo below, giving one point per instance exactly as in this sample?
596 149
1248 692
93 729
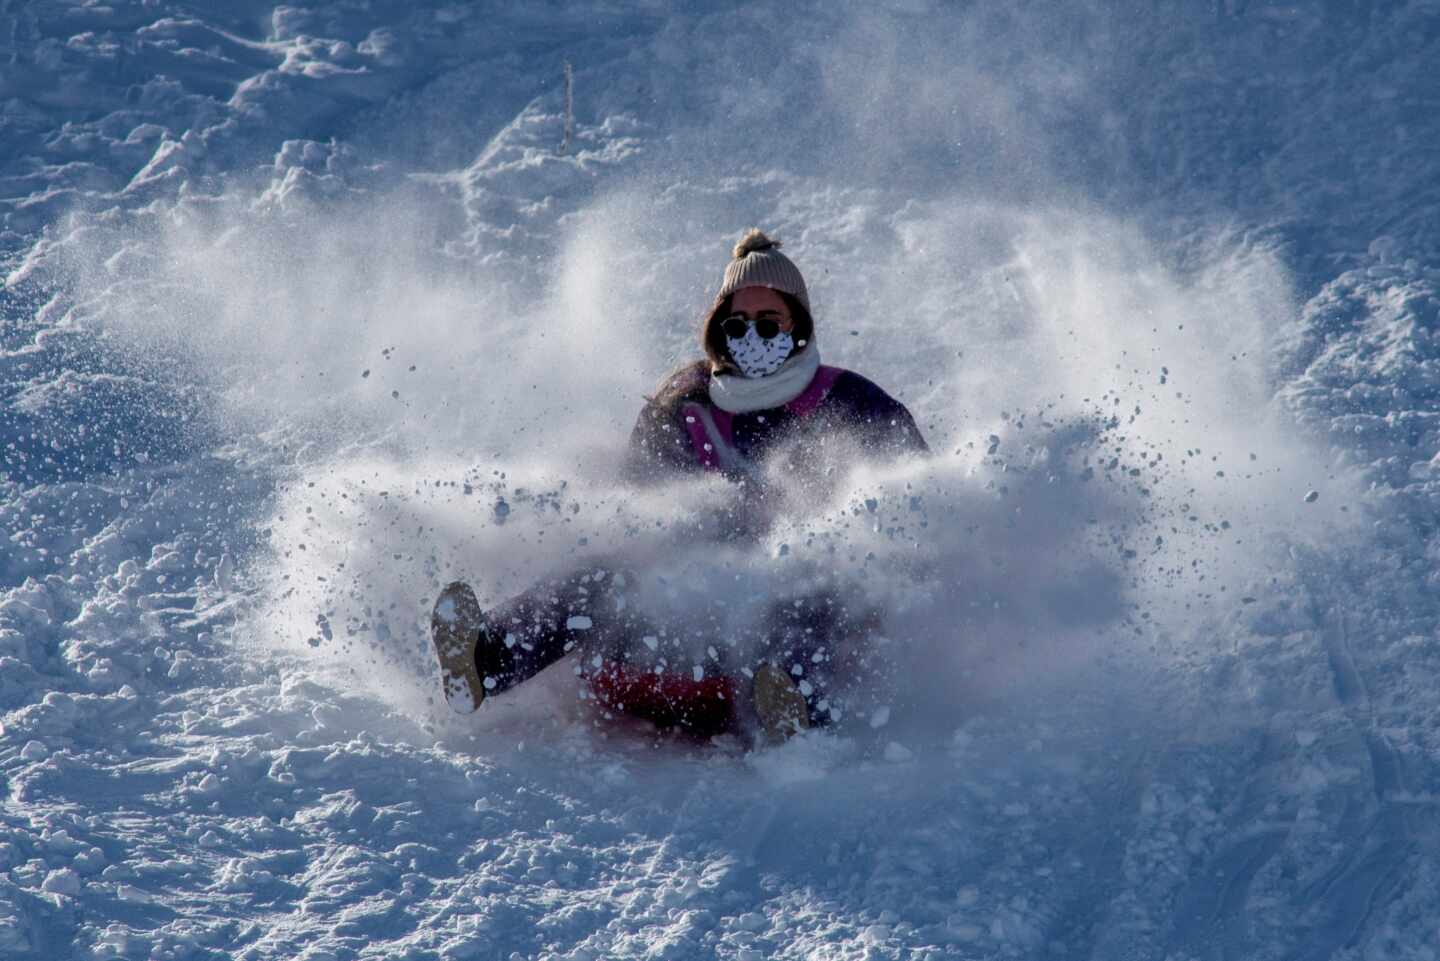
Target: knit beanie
759 263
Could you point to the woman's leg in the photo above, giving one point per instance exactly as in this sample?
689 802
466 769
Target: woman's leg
822 641
670 674
583 609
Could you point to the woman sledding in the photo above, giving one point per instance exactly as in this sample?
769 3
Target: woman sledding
759 400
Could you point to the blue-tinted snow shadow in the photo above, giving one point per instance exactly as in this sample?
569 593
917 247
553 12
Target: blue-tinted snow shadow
945 837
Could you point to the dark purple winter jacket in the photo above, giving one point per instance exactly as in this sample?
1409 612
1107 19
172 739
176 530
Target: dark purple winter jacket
840 410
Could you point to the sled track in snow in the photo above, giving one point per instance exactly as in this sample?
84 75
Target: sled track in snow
1210 909
1373 871
1243 901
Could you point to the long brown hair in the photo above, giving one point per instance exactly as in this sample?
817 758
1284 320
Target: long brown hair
693 375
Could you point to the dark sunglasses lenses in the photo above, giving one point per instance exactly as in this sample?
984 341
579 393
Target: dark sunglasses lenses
736 326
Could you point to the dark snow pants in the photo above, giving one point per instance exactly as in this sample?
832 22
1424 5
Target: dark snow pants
816 637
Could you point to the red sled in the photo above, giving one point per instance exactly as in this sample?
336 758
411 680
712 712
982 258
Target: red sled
703 708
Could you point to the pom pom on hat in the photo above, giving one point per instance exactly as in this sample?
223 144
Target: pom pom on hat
754 241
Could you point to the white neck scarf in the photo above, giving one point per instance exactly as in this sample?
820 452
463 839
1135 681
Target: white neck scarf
741 395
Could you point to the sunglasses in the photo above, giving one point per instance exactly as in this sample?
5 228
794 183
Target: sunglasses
736 325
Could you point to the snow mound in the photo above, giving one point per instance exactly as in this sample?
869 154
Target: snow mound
1360 367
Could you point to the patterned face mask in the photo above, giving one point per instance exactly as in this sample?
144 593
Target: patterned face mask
758 356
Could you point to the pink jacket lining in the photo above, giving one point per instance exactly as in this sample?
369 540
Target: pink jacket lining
708 447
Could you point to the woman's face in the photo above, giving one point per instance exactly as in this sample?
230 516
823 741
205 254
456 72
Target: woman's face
757 331
758 303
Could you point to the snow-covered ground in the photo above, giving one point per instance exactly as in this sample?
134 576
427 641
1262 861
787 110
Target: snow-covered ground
308 310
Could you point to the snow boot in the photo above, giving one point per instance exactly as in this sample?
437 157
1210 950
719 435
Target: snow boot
779 704
456 627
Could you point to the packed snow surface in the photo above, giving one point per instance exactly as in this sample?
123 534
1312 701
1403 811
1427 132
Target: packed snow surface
311 309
